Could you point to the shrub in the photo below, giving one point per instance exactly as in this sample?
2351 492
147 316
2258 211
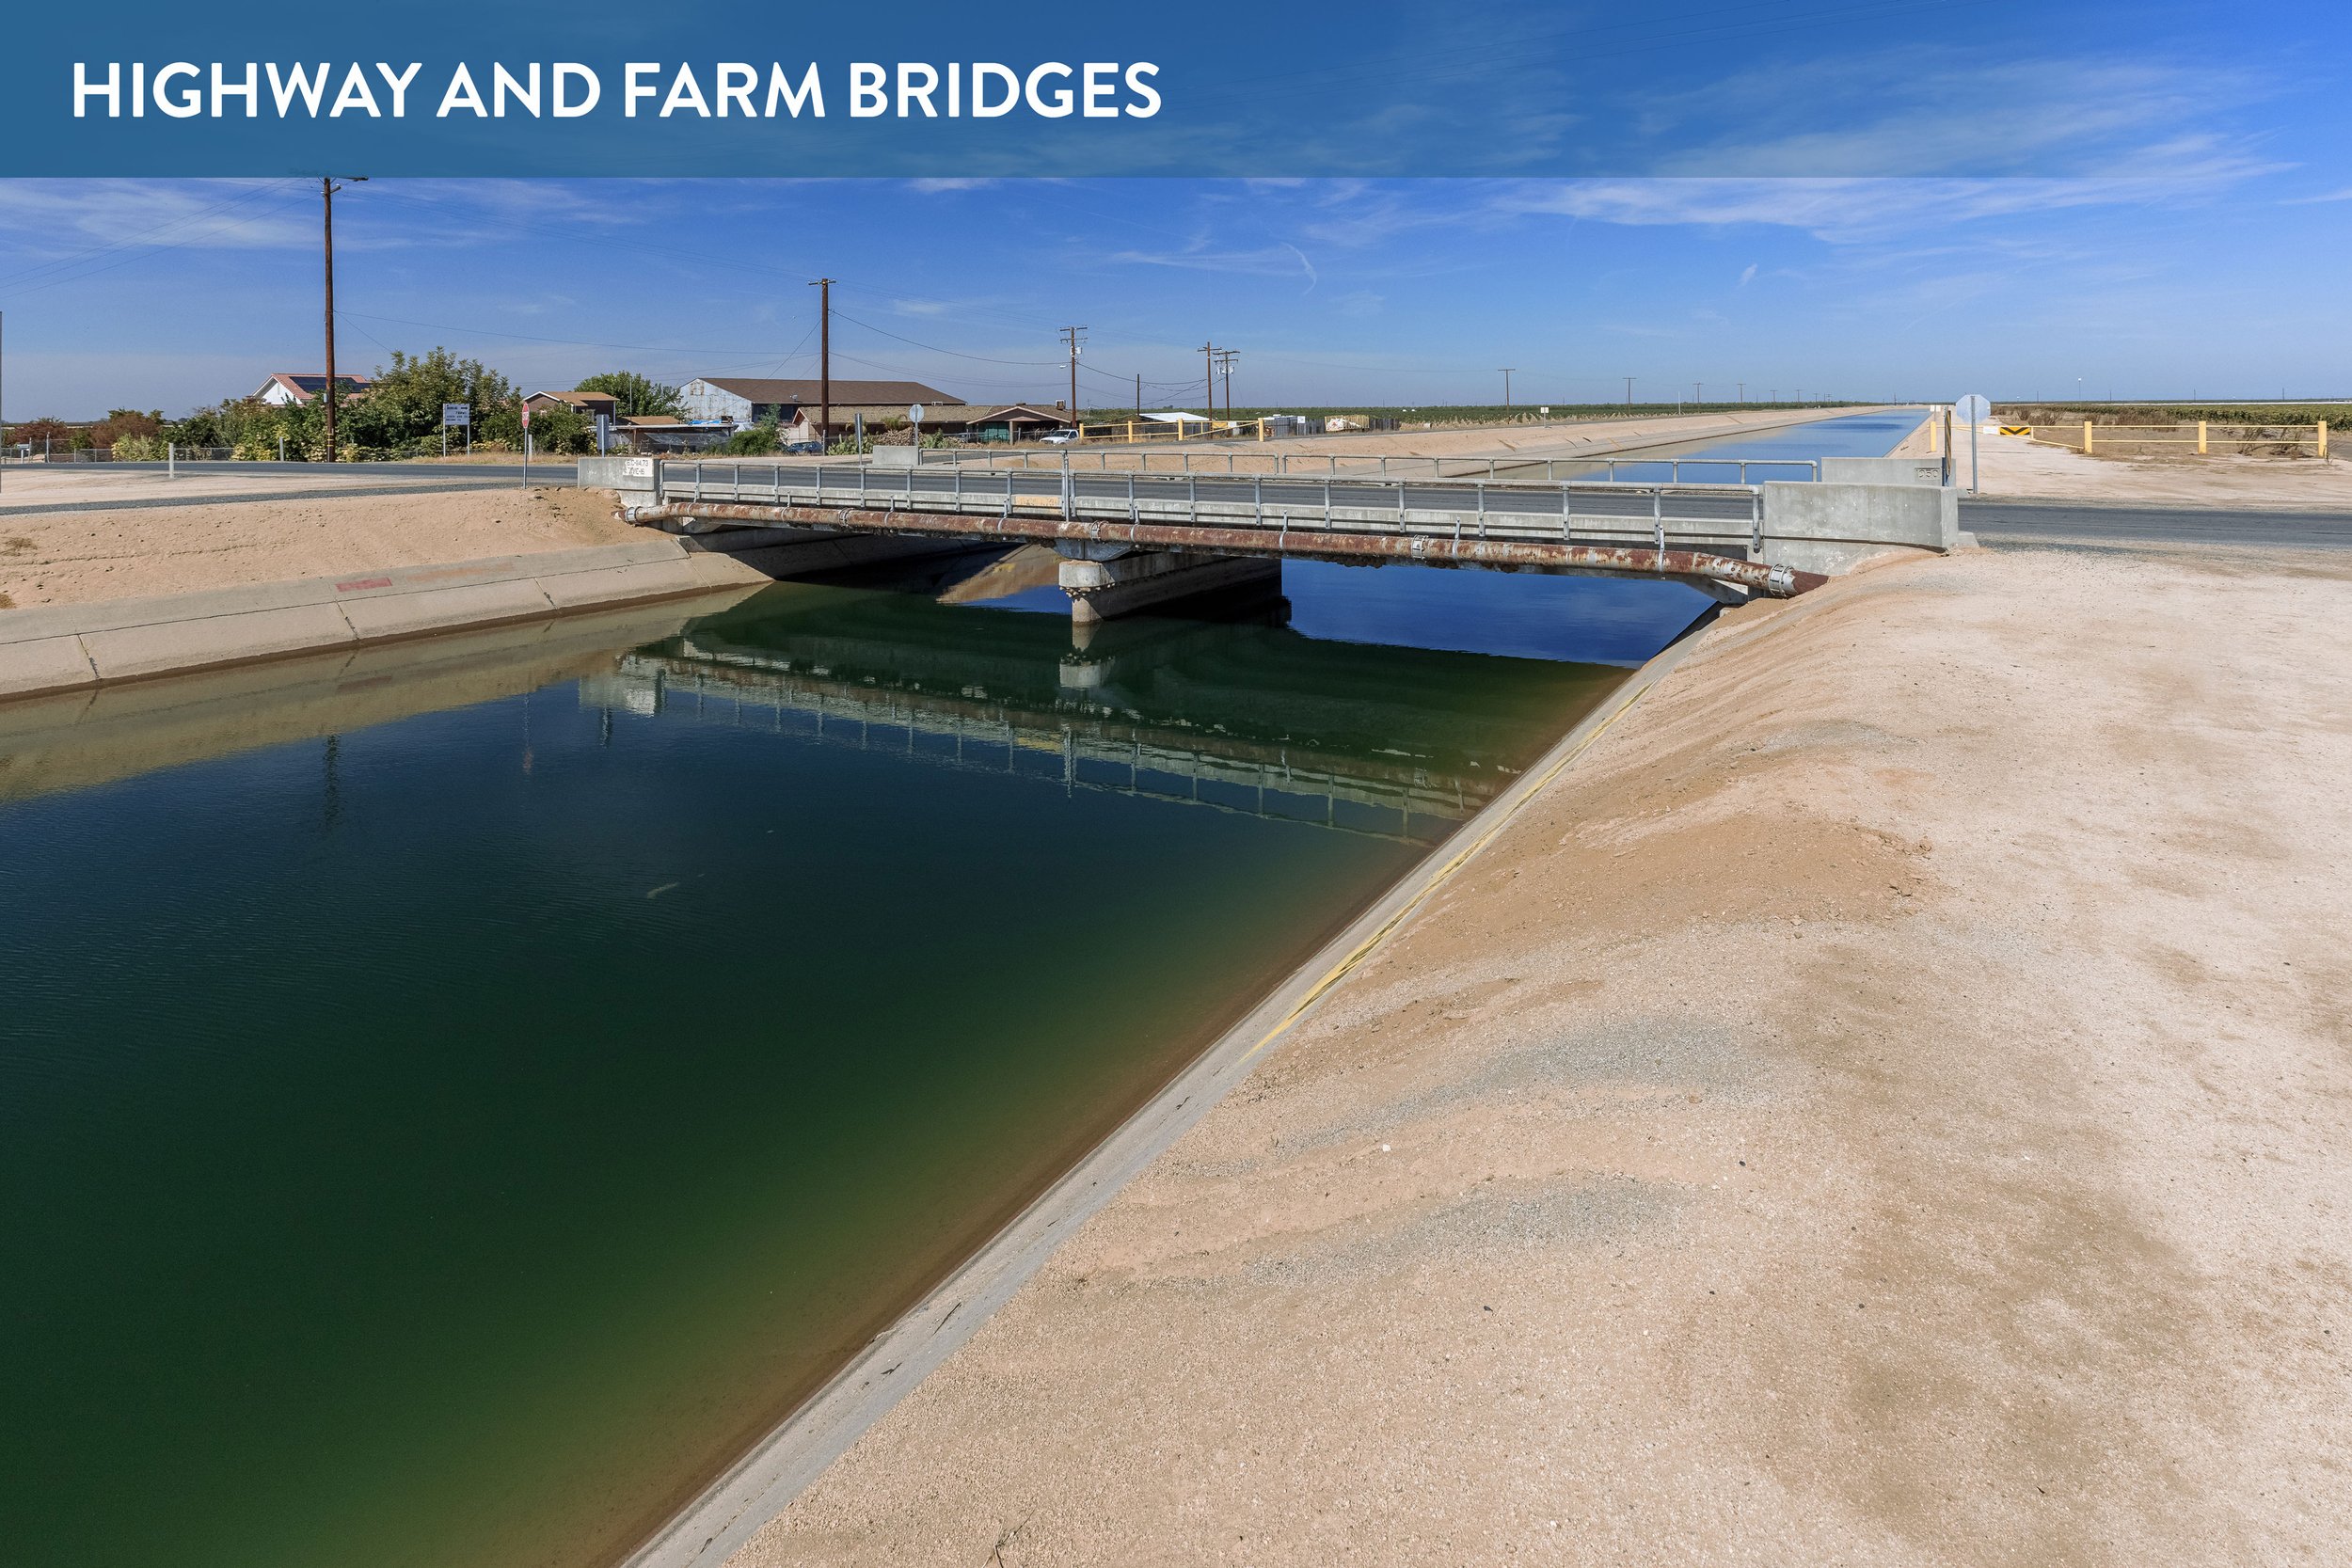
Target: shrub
761 440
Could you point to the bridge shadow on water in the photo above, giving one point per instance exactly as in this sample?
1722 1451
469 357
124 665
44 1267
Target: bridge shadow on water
1226 706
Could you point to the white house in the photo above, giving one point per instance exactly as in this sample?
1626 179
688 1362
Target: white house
741 401
296 387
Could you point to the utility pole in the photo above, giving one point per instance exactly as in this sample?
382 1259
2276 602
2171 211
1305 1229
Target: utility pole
824 358
1225 358
326 199
1506 371
1208 359
1628 391
1744 391
1069 335
1694 393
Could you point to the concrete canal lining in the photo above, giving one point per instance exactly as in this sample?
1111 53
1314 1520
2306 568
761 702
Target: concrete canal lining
766 1480
67 647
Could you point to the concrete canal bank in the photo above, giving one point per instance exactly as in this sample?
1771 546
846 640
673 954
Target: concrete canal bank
1881 1103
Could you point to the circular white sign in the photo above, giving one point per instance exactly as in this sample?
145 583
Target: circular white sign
1973 409
914 413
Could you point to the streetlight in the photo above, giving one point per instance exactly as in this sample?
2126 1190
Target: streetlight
326 195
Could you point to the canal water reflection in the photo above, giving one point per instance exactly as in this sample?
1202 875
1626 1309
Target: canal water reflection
454 1101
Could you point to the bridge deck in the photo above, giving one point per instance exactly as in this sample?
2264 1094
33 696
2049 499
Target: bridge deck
1714 532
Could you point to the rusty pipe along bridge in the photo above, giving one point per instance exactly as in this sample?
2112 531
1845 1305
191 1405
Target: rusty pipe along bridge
1128 539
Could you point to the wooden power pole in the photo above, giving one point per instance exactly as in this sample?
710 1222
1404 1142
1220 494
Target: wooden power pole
824 358
1069 335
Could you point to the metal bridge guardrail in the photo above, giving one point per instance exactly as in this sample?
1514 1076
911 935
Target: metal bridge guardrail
1722 518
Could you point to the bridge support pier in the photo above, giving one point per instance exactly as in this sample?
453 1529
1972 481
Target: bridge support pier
1103 581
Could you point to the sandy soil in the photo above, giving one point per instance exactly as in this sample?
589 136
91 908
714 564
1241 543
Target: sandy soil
75 557
1549 439
1885 1104
2016 467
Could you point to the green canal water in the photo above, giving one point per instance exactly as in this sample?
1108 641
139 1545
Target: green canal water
451 1102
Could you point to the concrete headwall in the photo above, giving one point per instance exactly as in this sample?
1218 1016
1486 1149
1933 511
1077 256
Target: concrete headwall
616 473
1883 471
1832 528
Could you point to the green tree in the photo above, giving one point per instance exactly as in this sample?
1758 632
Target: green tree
633 394
561 429
400 412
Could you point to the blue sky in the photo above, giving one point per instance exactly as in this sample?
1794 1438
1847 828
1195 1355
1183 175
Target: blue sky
2156 214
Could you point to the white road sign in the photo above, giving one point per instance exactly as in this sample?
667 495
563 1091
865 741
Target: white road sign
914 413
456 413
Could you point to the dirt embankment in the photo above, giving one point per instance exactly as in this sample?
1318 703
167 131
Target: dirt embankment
1886 1104
77 557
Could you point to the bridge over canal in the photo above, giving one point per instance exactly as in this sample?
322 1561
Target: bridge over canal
1133 539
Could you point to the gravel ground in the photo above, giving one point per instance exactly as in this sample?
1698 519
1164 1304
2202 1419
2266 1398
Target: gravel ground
2013 466
1885 1104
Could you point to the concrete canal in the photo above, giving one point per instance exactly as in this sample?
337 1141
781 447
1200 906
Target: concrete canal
453 1103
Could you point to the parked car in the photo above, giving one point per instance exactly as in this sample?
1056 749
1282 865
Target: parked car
805 449
1059 437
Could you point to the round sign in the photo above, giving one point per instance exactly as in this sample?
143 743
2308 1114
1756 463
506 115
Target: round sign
1972 409
914 413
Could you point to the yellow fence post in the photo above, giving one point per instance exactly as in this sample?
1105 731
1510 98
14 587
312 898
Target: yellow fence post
2323 438
2086 437
2200 437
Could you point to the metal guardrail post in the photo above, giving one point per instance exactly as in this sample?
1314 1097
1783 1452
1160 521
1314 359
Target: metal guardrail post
1756 509
1658 522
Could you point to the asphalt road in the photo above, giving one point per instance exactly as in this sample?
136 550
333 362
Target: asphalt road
1998 522
551 473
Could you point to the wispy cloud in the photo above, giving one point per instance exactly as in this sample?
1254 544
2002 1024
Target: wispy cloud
1914 112
1747 276
63 217
1280 259
1874 209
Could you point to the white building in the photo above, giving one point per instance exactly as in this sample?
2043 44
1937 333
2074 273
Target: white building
298 387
